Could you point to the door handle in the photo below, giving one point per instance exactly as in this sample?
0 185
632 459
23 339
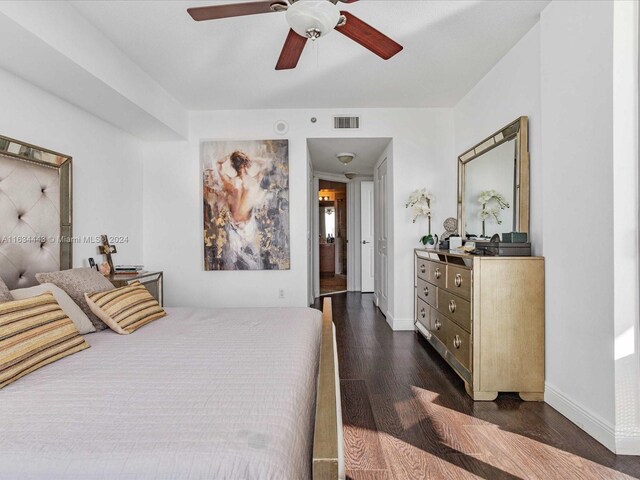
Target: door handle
364 242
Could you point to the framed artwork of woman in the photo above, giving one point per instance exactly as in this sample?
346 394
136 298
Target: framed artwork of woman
246 204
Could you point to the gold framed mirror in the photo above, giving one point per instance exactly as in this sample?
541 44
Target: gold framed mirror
493 183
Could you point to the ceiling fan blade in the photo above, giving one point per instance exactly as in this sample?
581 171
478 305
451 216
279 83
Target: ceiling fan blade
233 10
367 36
293 46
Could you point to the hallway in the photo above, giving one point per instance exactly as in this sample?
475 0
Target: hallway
406 415
332 283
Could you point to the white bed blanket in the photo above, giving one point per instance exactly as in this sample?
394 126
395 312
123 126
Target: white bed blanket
199 394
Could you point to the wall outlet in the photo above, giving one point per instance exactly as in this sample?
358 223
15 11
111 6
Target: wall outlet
281 293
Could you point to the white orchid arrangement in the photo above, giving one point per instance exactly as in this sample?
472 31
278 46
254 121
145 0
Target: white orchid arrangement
420 203
485 198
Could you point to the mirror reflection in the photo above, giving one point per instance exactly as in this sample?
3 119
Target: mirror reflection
493 185
490 191
328 227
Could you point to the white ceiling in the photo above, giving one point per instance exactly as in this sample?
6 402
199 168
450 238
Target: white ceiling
368 150
229 63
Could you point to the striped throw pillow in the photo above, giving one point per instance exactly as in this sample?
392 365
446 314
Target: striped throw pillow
5 295
125 309
33 333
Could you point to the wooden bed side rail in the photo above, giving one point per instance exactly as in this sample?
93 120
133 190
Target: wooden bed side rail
325 437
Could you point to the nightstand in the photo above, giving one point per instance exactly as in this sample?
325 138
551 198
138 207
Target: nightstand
151 280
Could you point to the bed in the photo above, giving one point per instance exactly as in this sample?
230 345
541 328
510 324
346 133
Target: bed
197 394
200 393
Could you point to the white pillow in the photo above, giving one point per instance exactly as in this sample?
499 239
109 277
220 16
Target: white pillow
69 307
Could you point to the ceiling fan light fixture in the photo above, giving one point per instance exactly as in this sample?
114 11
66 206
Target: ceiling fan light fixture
312 18
345 157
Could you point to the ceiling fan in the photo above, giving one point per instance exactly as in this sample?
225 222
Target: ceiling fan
309 20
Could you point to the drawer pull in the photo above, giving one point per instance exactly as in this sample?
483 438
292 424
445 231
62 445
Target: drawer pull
423 268
452 305
458 280
457 342
423 312
426 291
437 324
437 273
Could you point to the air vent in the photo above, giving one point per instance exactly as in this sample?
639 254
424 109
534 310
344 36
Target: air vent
346 122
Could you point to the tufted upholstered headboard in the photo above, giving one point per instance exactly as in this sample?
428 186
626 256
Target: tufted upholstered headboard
35 212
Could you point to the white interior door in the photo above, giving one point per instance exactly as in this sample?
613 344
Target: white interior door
382 230
367 236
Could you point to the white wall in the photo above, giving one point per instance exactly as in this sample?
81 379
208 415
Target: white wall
577 149
423 151
107 165
625 226
424 159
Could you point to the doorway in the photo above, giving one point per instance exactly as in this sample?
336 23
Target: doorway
367 233
349 250
332 236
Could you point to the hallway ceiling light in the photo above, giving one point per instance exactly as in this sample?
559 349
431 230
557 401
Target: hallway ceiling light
346 157
350 175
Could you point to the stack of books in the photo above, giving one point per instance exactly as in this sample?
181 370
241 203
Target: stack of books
128 269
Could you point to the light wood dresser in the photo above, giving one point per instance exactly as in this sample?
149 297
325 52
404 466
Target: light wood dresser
485 316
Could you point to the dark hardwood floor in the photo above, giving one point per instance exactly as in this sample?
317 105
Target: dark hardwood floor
406 415
332 283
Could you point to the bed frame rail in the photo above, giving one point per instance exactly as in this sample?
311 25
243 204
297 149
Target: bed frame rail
325 437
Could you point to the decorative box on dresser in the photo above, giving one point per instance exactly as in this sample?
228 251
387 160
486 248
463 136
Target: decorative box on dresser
485 316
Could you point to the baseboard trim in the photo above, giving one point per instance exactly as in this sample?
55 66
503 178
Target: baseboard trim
628 444
588 421
389 318
403 324
400 324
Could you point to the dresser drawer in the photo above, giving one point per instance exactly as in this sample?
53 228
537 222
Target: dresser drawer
455 307
437 274
439 325
459 281
427 292
459 343
422 268
423 313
